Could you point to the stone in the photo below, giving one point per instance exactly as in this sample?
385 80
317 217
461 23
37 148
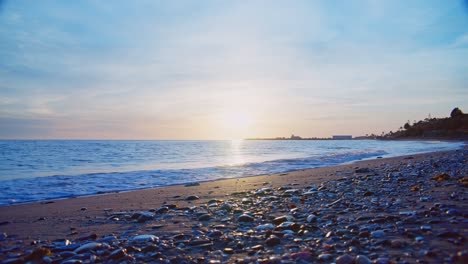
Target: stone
204 217
272 241
361 259
192 198
325 257
118 253
228 251
245 218
362 170
311 218
281 219
377 234
145 238
88 247
344 259
38 254
265 227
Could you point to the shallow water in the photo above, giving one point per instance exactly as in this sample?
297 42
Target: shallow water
34 170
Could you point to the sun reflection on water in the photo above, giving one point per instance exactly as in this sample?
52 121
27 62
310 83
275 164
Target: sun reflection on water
237 156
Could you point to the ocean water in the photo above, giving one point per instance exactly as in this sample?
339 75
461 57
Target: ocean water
35 170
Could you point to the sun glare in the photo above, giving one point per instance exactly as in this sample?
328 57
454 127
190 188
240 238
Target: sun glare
236 124
239 120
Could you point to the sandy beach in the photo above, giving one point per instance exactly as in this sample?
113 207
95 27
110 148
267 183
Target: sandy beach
394 210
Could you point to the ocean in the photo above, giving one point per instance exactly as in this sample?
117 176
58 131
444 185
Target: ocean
37 170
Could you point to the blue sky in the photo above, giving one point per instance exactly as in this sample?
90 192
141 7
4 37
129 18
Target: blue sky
227 69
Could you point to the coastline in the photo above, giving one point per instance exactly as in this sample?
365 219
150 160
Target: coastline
90 217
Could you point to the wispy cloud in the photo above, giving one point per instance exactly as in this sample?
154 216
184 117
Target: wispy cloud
178 65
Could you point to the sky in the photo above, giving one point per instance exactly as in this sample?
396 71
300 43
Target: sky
228 69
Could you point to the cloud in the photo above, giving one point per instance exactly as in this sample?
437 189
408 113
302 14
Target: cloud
167 62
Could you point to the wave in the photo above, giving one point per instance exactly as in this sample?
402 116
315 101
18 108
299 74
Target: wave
24 190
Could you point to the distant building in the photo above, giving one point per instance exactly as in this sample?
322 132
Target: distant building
340 137
295 137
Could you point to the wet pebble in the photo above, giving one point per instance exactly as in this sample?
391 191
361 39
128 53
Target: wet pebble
245 218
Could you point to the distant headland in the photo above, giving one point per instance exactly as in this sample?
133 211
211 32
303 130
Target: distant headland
453 127
295 137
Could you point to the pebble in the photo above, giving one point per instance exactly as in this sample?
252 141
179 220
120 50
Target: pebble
192 198
145 238
377 234
361 259
245 218
344 259
272 241
204 217
88 247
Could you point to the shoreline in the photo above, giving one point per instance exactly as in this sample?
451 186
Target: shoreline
76 219
41 180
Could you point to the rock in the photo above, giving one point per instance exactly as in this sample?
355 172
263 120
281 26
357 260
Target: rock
272 241
377 234
226 206
67 254
38 254
397 243
281 219
361 259
144 216
441 177
118 253
464 181
162 210
362 170
245 218
72 261
325 257
265 227
426 228
302 257
246 201
192 198
204 217
257 247
215 234
88 247
3 236
145 238
382 261
228 251
344 259
311 218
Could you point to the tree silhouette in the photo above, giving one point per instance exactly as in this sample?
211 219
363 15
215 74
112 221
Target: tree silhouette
456 112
